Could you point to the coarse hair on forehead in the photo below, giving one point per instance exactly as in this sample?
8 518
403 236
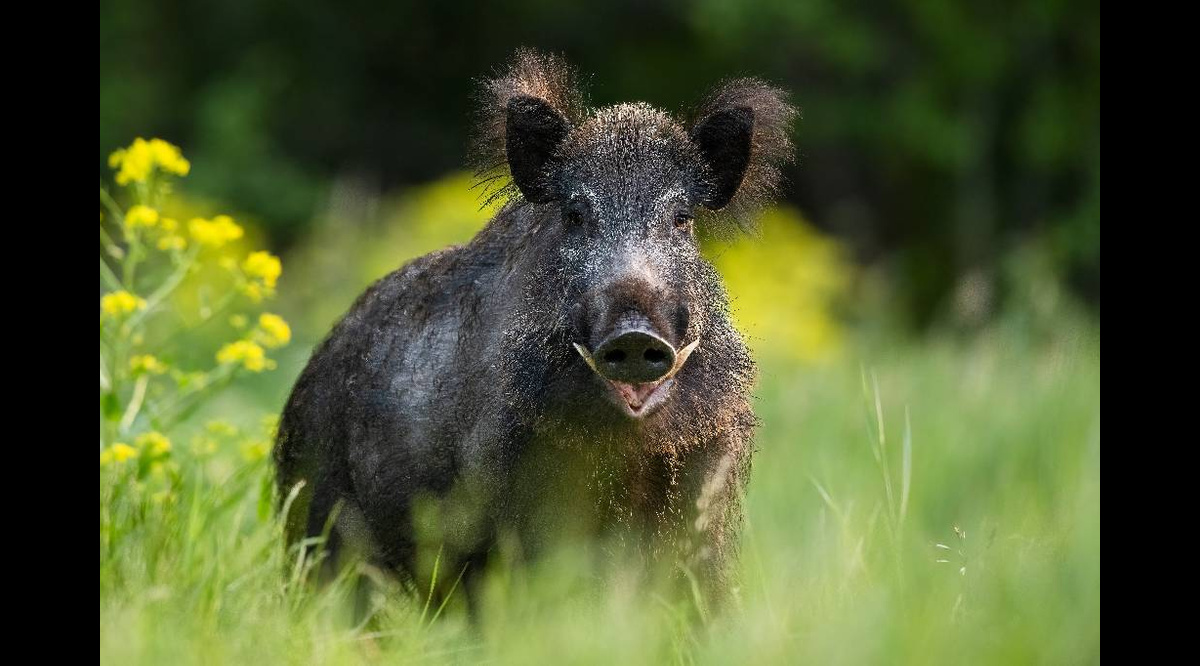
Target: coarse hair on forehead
617 137
734 109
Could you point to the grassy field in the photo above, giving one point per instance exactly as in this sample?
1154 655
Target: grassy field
913 500
917 502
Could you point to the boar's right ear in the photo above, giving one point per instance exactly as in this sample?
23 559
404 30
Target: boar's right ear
525 112
533 130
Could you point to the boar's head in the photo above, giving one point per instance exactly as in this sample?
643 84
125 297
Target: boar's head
619 190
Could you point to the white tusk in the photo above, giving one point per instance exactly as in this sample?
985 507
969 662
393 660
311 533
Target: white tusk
587 356
684 353
681 357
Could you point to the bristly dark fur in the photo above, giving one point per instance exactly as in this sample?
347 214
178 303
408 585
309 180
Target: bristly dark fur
546 76
771 143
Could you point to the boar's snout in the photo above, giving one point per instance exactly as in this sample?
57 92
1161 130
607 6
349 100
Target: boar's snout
634 354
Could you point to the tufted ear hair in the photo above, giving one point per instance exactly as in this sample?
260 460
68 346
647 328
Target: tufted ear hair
525 112
743 132
533 130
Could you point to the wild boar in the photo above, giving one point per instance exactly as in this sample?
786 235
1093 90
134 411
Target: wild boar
572 371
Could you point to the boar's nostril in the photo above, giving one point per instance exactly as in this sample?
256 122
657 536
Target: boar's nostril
635 356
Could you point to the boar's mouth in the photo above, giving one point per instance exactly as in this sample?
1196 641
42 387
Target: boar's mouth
639 399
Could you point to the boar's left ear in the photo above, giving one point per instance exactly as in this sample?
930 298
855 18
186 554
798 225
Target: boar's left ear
532 133
525 112
724 140
743 133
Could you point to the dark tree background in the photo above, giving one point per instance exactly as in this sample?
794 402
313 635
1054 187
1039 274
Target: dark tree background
936 135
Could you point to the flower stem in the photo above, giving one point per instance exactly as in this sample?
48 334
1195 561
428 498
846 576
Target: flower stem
110 278
135 403
164 290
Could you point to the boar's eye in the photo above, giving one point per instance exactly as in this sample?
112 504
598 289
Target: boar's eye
682 219
577 211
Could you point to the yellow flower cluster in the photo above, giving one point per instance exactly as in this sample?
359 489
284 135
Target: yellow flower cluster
120 303
170 238
117 453
145 217
135 163
147 170
152 445
249 354
275 331
172 242
146 363
264 266
215 232
263 270
141 216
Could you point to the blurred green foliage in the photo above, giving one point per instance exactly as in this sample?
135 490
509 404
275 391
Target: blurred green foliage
362 237
937 137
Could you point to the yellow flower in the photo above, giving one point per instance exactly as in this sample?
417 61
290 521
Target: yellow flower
263 265
172 242
169 157
169 224
249 354
117 453
140 216
253 291
276 331
146 363
138 161
155 442
120 303
215 232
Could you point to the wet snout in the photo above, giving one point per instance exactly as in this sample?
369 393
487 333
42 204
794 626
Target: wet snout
633 354
638 366
631 323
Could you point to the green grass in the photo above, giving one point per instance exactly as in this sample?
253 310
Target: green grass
841 556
